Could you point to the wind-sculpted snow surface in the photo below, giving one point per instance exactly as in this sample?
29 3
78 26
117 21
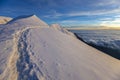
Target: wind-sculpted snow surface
45 53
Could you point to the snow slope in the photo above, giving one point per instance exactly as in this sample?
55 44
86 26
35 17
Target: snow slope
4 20
31 20
107 40
59 28
35 52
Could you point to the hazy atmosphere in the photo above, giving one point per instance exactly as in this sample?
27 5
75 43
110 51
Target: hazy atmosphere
66 13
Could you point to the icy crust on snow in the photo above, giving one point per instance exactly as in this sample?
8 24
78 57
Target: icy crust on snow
46 53
4 20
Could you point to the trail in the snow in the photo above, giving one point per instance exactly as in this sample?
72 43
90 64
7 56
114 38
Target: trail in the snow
25 66
18 58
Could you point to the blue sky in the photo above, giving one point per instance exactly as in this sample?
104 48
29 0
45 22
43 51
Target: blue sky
66 12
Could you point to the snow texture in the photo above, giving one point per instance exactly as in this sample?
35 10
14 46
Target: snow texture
31 50
4 20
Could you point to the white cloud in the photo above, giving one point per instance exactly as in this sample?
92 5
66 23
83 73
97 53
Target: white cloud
97 12
106 19
77 23
53 14
70 21
117 16
112 23
113 3
84 13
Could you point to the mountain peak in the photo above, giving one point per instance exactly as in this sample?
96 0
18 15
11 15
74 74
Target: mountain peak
22 17
28 20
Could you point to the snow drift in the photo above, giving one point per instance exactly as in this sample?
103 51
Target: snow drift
30 50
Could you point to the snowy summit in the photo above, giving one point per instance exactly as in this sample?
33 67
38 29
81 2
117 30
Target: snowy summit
31 50
31 20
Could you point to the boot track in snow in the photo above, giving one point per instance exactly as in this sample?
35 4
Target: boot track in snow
19 66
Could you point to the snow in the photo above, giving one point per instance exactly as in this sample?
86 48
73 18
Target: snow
29 20
59 28
4 20
33 52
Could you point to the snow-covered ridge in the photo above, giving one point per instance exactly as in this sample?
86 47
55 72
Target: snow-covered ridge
35 52
58 27
22 22
31 20
4 20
